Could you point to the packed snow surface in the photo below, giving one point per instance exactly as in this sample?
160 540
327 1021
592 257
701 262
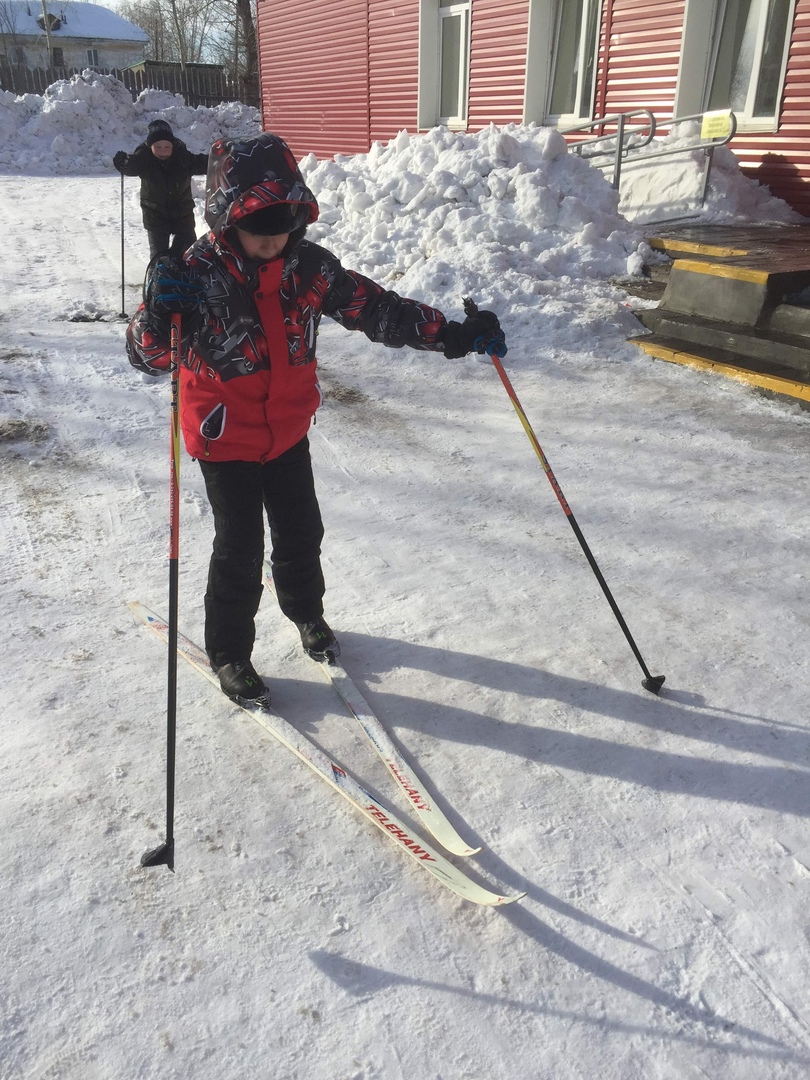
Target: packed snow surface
662 841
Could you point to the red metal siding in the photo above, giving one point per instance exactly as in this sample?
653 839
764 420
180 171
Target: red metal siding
393 42
782 160
352 77
313 67
643 56
497 62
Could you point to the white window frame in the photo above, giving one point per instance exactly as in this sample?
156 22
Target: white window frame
701 40
589 8
92 57
431 15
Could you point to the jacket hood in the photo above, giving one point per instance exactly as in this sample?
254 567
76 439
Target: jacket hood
246 175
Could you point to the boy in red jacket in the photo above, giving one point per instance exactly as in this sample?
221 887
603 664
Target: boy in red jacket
253 292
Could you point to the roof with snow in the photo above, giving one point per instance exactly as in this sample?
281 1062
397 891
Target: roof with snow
73 19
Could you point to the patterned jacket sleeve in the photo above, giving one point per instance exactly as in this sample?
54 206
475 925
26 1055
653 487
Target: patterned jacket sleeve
358 303
148 347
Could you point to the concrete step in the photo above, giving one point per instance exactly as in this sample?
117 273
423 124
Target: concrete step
742 290
786 354
759 373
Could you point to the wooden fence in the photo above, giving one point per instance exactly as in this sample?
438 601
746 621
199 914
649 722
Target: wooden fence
197 86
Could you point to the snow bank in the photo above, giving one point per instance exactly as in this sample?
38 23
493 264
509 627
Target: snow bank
78 124
502 214
509 213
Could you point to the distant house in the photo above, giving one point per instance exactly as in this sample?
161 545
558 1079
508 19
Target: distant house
376 66
73 35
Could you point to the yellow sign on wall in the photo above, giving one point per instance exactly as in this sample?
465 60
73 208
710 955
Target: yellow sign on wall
716 125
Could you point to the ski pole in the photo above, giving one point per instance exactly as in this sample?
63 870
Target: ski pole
164 854
122 313
653 683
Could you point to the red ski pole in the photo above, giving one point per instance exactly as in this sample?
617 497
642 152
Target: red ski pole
653 683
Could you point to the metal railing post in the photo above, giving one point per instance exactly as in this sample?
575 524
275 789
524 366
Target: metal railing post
617 160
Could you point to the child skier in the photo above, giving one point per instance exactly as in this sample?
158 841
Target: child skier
165 166
252 294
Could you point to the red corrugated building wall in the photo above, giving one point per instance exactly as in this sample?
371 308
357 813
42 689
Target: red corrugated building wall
497 62
640 68
314 74
393 49
350 77
782 160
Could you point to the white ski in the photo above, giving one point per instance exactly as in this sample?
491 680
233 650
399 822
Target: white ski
435 863
429 814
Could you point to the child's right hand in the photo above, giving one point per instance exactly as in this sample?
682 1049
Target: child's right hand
120 160
171 288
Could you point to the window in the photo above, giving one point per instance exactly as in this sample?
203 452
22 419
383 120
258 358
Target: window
734 57
19 54
444 63
747 69
57 59
454 52
575 46
92 57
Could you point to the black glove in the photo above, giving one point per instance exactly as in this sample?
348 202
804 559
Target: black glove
479 333
120 160
170 288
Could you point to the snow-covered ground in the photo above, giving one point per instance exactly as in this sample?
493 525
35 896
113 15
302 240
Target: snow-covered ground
662 842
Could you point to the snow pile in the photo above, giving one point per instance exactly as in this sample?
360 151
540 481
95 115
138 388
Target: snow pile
510 213
79 123
506 213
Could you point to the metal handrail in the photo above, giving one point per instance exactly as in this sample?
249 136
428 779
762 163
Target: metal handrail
620 140
624 148
708 146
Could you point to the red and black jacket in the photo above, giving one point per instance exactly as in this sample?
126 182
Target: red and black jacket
248 380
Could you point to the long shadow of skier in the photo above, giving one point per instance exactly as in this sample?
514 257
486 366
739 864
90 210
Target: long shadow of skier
364 981
769 787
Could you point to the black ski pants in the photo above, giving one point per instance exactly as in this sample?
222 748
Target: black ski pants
240 492
184 232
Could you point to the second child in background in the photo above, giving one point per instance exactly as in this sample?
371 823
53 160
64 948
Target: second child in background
165 166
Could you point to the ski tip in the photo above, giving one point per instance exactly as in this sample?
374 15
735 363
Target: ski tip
504 900
654 683
163 855
466 852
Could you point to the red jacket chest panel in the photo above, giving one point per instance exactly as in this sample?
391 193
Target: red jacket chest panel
266 408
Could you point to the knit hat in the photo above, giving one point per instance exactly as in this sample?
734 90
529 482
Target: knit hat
158 131
274 220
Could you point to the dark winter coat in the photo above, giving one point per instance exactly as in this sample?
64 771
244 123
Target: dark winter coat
165 185
248 381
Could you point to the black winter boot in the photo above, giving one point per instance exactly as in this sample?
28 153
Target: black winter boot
240 681
318 640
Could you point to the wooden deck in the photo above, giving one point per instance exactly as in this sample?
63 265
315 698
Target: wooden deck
785 246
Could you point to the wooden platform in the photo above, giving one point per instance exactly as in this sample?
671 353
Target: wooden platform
788 242
729 305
